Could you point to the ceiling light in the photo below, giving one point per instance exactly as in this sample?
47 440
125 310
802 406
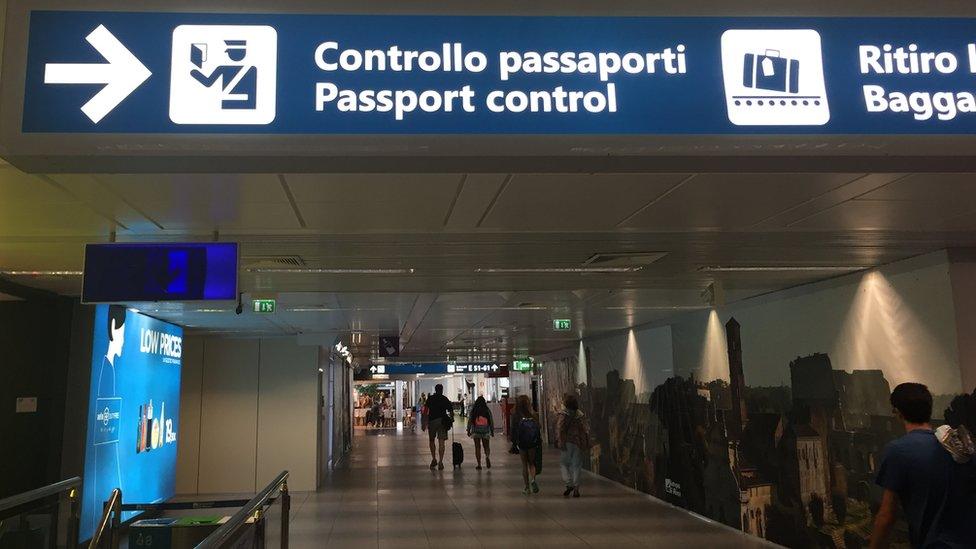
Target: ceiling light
560 270
781 269
208 311
332 309
656 308
530 308
303 270
42 273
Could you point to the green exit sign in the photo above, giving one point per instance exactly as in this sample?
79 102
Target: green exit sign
522 365
264 305
562 324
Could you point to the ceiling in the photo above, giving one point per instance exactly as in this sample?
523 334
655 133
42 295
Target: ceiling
447 227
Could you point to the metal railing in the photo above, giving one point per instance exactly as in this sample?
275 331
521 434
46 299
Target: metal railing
41 499
111 516
254 510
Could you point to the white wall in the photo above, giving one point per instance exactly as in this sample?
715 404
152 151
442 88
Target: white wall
251 406
899 319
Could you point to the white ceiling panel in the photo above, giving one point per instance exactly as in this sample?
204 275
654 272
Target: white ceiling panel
226 216
16 186
365 189
51 219
952 191
733 201
89 190
148 189
379 216
574 201
901 215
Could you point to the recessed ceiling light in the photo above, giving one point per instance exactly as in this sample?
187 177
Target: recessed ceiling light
559 270
209 311
303 270
780 268
42 273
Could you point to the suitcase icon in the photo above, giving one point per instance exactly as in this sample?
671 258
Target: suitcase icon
771 72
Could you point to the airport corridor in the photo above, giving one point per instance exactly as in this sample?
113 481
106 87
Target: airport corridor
385 496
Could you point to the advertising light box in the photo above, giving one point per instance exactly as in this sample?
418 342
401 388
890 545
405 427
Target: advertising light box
133 411
147 73
160 272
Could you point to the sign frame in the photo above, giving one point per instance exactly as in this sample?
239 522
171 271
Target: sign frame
140 153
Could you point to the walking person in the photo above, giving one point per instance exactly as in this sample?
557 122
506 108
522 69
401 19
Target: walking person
481 427
935 488
440 419
526 437
572 438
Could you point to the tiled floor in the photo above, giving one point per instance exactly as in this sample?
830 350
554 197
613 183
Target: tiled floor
385 496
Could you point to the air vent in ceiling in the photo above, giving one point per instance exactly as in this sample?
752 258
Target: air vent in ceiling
274 261
624 259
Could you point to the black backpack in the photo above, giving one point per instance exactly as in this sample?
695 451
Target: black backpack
529 433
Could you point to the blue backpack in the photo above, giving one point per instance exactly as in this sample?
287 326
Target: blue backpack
529 435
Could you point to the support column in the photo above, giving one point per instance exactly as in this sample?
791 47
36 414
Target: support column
398 388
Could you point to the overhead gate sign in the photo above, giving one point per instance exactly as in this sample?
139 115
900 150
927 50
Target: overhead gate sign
173 73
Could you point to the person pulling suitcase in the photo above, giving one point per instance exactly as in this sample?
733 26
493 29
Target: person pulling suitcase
440 418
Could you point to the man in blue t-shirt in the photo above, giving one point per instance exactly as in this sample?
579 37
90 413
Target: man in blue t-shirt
935 492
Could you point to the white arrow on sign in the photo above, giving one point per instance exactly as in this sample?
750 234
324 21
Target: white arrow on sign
121 75
372 369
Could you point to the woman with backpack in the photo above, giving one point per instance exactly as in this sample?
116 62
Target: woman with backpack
573 438
526 437
481 427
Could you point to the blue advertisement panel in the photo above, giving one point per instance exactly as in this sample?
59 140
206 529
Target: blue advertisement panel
111 72
133 411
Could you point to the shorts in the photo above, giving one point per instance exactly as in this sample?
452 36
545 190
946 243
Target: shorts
438 428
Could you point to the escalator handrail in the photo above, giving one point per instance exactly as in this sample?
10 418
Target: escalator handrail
239 519
114 501
39 493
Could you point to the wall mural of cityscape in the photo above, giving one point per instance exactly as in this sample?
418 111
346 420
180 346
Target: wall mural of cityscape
794 466
793 463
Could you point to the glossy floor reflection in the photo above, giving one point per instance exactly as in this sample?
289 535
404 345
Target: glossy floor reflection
385 496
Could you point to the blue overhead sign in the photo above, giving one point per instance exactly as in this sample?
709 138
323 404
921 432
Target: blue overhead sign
111 72
438 368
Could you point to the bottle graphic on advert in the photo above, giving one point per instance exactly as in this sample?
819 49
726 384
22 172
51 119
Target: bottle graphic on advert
140 431
154 438
161 431
150 423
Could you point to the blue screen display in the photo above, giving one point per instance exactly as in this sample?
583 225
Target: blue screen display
250 73
160 272
133 411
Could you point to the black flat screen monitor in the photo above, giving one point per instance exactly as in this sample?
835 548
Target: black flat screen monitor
116 273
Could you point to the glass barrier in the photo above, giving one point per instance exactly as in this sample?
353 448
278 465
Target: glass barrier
45 518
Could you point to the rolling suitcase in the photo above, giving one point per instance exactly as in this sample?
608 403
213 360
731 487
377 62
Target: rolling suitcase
457 453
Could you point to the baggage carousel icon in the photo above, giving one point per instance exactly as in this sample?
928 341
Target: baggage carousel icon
774 78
